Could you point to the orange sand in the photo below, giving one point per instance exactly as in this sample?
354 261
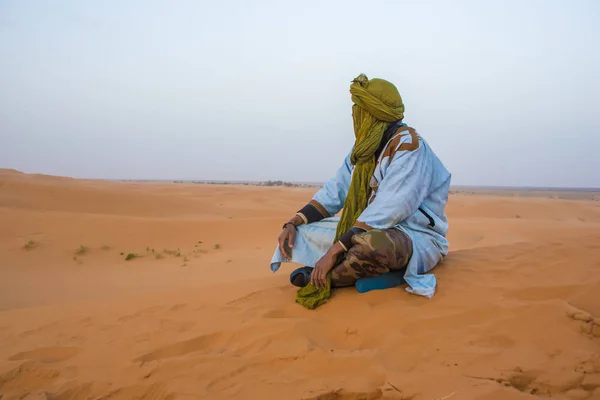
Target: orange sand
516 315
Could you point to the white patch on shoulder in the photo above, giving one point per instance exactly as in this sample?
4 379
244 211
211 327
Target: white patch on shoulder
406 139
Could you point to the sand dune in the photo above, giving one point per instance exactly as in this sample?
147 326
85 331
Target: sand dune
197 314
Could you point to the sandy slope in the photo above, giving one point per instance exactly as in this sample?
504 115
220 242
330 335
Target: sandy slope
513 318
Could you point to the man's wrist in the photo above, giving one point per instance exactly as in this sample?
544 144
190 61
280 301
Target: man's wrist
286 225
337 248
296 220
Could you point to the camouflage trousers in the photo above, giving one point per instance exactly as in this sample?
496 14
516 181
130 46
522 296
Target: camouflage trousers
373 253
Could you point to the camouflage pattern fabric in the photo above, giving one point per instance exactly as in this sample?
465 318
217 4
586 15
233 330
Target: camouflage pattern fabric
373 253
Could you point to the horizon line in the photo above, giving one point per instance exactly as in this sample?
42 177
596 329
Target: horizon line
462 186
308 183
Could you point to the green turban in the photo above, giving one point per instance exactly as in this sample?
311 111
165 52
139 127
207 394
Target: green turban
377 103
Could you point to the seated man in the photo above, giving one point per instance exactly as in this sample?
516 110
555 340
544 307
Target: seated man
393 190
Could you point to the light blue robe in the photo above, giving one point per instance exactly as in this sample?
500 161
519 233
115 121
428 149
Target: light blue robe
409 181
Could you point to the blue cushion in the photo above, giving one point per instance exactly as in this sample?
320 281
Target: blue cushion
386 281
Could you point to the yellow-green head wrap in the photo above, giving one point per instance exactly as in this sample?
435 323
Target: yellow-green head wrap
377 103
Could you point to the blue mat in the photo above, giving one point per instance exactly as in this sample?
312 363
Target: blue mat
385 281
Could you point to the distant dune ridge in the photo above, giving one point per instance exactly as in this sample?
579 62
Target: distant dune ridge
516 191
195 312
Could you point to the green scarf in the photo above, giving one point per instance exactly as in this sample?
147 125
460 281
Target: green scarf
377 103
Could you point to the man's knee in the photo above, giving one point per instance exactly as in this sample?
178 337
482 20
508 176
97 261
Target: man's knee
373 248
346 274
364 258
373 253
390 248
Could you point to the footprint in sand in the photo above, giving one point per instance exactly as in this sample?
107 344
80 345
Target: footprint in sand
47 354
589 324
178 307
27 372
143 313
342 394
200 343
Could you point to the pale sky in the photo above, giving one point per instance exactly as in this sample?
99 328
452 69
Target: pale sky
505 92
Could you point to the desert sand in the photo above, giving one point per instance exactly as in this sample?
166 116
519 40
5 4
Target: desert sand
197 314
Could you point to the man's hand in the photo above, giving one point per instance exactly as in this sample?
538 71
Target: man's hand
288 236
286 240
324 265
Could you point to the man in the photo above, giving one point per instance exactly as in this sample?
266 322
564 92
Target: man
393 191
